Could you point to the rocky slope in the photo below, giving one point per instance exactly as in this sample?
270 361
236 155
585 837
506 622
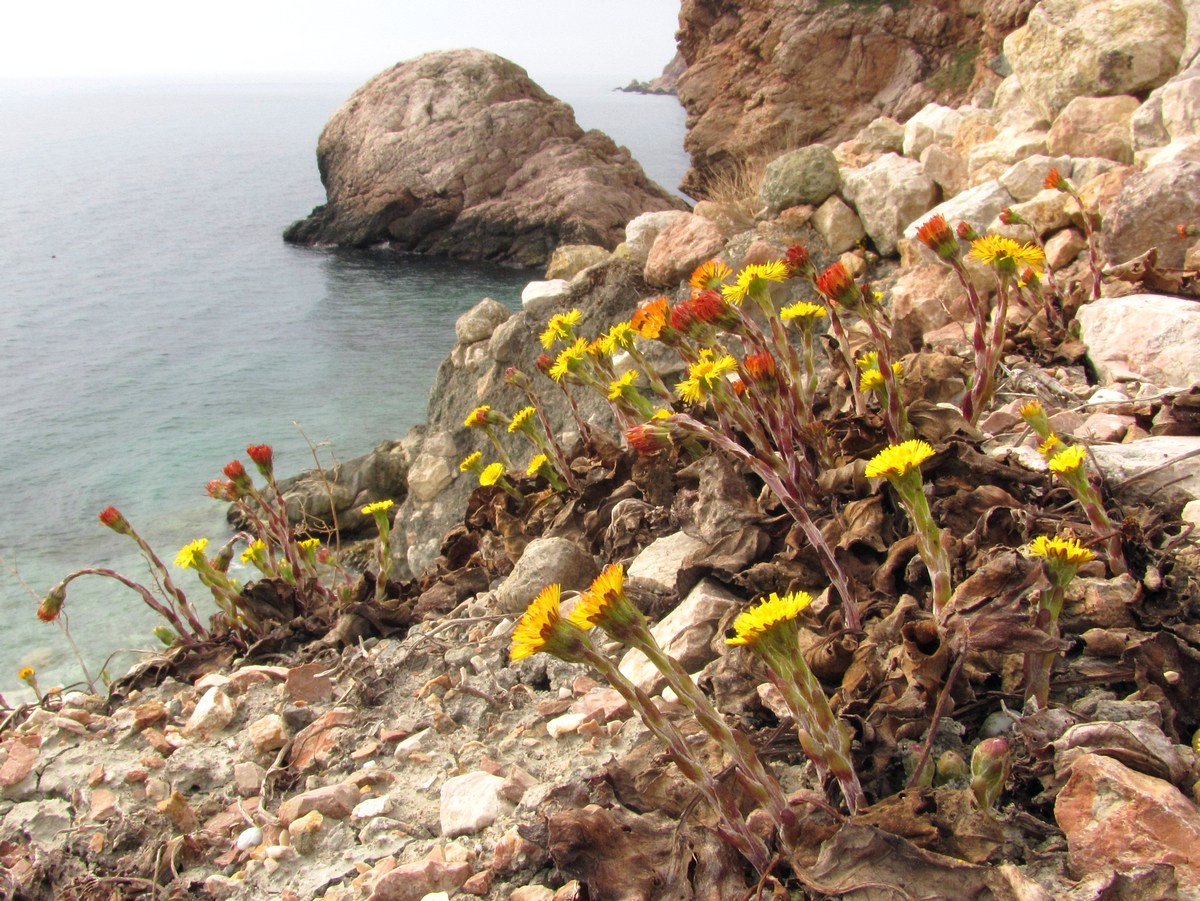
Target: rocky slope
460 154
412 757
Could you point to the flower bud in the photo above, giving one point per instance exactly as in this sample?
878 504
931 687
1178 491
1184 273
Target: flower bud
112 518
51 604
989 770
262 456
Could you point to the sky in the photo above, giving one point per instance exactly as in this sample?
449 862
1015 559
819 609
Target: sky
307 39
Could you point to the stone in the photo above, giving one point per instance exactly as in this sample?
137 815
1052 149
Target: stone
978 206
370 808
1147 209
686 633
884 135
472 802
1177 483
838 225
1045 212
247 778
1026 178
268 733
925 298
103 805
889 194
1094 126
1191 513
807 175
333 801
316 741
641 231
545 560
414 881
1114 817
1171 113
659 562
46 823
568 260
20 755
429 476
946 168
214 712
459 153
1011 144
532 893
536 293
478 323
1095 48
309 683
680 247
933 124
1147 337
1063 247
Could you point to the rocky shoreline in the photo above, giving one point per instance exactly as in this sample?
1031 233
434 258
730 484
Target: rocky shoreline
398 753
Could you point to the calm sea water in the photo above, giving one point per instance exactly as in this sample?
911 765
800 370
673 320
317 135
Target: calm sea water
153 323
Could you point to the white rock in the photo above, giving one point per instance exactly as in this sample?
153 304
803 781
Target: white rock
214 711
565 724
478 323
544 561
428 476
1026 178
1191 513
1147 337
978 205
1176 483
889 194
838 224
472 802
248 838
934 124
371 808
642 230
660 561
544 291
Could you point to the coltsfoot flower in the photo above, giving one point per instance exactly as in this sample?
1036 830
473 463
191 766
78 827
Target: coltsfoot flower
471 462
705 376
561 327
51 605
803 311
492 473
899 459
1068 460
378 507
936 234
710 275
263 458
1059 552
751 625
522 418
569 360
112 518
255 552
755 277
1006 255
650 320
542 628
618 386
190 554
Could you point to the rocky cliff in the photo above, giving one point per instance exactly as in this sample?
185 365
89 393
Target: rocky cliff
461 154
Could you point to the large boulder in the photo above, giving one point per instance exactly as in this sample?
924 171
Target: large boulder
1095 48
1149 207
889 194
1150 337
461 154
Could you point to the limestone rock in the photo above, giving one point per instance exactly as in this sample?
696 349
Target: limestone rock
1094 126
889 194
1170 113
978 206
659 562
214 711
1144 821
1064 247
946 168
884 134
680 247
1095 48
933 124
459 153
472 802
766 76
545 560
1045 212
686 633
478 323
568 260
1027 178
838 225
544 291
1151 337
641 231
1149 206
1177 483
333 801
268 733
807 175
415 881
925 298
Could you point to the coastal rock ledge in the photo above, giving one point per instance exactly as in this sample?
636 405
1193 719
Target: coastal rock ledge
461 154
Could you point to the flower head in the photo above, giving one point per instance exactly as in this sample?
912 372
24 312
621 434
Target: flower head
759 369
542 628
492 473
255 552
27 674
871 378
705 375
803 311
112 518
1068 460
1006 255
221 490
191 554
309 544
799 263
710 275
650 320
1054 181
605 604
536 464
965 231
618 337
236 473
470 462
649 437
1035 417
570 359
263 458
1050 446
378 507
755 277
752 625
936 234
1060 550
617 387
479 417
522 418
896 460
50 606
838 284
561 327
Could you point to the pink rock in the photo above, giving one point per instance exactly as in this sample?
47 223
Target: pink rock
22 754
269 733
413 881
680 247
334 801
103 806
316 740
306 683
1117 818
472 802
1105 427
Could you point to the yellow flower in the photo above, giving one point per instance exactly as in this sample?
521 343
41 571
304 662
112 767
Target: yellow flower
477 417
1061 550
537 625
520 418
309 544
560 328
626 380
378 507
663 414
751 625
650 320
254 551
189 554
804 311
491 474
1007 255
704 376
606 589
26 673
872 378
1047 447
1068 460
569 359
536 464
709 275
750 277
897 459
470 461
619 337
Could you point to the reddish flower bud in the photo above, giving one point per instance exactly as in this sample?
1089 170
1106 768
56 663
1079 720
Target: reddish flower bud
236 473
989 771
966 231
1055 181
545 363
51 604
798 262
112 518
936 234
760 369
220 490
836 283
1187 231
649 437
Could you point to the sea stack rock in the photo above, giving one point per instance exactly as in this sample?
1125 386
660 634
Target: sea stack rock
461 154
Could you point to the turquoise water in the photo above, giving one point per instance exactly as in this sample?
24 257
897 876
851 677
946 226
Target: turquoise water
152 324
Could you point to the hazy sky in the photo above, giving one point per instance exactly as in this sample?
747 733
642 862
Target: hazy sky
308 39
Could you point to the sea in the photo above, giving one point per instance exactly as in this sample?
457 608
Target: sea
153 324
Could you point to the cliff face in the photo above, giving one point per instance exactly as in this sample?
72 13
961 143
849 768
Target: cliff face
461 154
766 76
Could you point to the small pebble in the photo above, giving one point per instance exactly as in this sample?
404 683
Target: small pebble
249 838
